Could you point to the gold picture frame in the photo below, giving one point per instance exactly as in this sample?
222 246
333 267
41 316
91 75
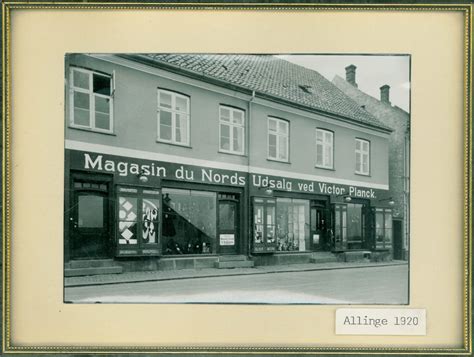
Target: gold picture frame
19 17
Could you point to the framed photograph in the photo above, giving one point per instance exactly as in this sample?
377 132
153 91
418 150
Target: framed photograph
237 178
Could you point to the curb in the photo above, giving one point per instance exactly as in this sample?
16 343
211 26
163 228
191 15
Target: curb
135 281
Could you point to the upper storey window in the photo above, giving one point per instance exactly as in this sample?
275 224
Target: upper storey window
278 139
231 130
90 96
324 149
173 117
362 152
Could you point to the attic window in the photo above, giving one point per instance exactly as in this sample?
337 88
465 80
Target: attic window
306 88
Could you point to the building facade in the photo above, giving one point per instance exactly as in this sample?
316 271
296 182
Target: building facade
185 161
399 153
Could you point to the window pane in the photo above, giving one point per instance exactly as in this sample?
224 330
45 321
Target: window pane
328 137
225 114
80 79
102 121
272 151
165 125
354 224
270 224
272 124
358 145
258 222
238 137
238 117
328 158
127 220
225 142
101 84
292 225
165 100
102 104
181 104
189 222
150 209
319 135
90 211
181 128
81 117
226 216
282 127
282 148
319 154
81 100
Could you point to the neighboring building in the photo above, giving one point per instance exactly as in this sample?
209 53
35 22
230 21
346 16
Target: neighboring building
399 153
188 161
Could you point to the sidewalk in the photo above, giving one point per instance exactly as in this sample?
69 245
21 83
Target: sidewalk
136 277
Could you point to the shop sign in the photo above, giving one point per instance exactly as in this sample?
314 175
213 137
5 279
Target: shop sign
127 169
227 239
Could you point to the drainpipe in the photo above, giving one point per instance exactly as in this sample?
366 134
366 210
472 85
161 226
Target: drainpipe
249 208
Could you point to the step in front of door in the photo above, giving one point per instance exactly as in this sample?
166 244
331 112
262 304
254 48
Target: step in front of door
228 258
230 264
68 272
323 257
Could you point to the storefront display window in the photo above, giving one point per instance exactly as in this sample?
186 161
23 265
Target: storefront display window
292 225
138 220
383 228
340 227
354 225
189 222
264 230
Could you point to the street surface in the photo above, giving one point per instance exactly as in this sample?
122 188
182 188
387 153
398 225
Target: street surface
379 285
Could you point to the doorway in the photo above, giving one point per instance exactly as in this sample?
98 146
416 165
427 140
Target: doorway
89 220
228 223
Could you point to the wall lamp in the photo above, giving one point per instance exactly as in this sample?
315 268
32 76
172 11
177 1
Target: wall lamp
389 200
268 191
346 198
142 177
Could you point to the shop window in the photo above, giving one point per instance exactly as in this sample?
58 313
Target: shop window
292 219
324 148
231 130
138 217
383 228
173 117
90 98
278 139
355 226
264 225
362 153
340 227
189 222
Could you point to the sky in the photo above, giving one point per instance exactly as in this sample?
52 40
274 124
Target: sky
373 71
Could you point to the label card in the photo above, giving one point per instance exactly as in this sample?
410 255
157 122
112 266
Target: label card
380 322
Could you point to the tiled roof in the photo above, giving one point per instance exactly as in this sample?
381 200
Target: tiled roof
274 77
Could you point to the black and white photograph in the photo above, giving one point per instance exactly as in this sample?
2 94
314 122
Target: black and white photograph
237 178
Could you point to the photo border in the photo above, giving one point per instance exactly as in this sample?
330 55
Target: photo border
9 6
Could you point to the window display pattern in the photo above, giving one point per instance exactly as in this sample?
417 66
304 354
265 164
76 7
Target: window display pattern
128 220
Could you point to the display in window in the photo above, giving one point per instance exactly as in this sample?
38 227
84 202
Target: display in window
128 220
150 220
189 222
293 225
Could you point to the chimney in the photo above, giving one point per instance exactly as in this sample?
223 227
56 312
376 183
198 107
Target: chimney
351 75
385 94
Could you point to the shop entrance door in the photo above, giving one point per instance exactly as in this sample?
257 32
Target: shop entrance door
319 228
397 240
89 224
228 226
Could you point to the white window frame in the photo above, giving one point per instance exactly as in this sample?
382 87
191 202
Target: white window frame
173 112
279 137
363 153
231 126
325 146
92 96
